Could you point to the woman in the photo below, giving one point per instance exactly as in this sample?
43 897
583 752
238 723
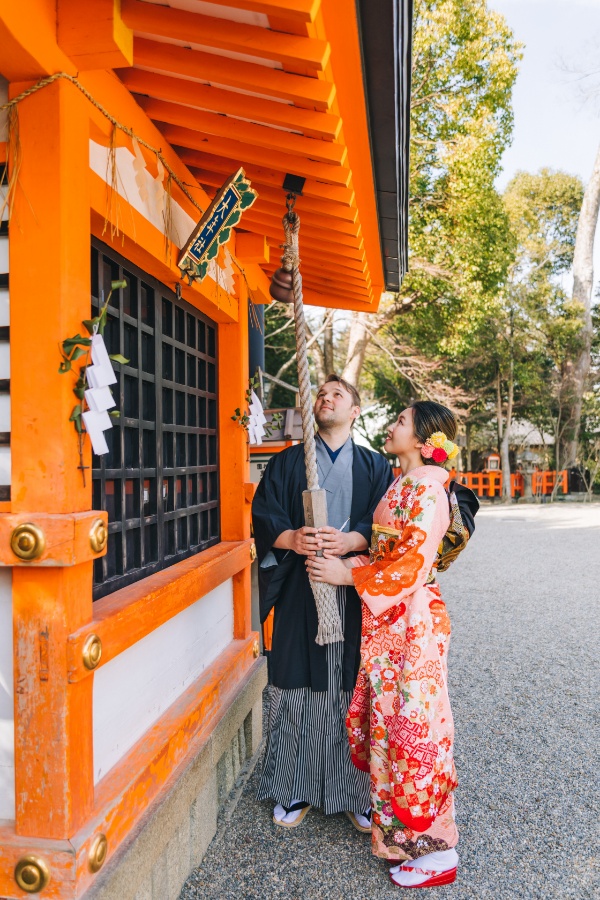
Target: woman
399 722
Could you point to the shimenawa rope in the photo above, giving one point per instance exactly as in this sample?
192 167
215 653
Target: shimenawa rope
330 626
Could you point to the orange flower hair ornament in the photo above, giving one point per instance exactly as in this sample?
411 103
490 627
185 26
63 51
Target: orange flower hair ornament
439 448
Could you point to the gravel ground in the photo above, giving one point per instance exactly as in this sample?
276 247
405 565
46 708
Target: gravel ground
524 601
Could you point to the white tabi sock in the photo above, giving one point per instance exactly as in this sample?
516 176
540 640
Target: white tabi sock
438 862
364 819
280 814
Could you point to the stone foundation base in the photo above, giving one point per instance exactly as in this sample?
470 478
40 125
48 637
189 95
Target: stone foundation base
173 836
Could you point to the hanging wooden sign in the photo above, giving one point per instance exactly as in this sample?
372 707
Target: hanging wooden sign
214 228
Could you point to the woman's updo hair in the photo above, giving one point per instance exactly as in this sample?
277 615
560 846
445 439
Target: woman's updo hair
429 417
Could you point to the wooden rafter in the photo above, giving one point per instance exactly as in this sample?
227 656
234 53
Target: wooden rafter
313 225
308 93
265 175
270 139
244 154
274 196
319 125
333 283
291 51
297 10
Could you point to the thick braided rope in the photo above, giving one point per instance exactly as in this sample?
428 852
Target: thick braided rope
330 626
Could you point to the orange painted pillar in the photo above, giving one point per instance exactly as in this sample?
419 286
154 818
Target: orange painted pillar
234 454
49 297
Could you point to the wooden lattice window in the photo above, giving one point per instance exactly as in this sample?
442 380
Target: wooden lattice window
160 481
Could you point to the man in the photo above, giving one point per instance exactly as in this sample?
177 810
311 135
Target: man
307 760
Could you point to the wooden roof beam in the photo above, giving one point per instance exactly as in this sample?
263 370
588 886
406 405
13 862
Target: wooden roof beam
315 254
308 93
294 52
244 154
318 125
270 139
297 10
340 244
309 218
310 268
312 224
276 196
264 175
336 301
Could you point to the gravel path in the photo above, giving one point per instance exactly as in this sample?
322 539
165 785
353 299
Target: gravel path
524 602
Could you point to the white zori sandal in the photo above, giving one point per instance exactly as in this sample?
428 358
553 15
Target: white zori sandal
361 821
290 816
430 870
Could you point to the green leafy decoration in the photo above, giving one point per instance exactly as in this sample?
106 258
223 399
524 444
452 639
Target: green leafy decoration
247 200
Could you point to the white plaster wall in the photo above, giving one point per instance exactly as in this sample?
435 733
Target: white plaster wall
133 690
150 201
7 749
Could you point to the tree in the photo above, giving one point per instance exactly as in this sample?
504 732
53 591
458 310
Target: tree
464 67
544 210
578 368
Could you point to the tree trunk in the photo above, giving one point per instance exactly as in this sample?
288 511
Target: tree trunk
499 416
329 363
583 280
504 443
357 348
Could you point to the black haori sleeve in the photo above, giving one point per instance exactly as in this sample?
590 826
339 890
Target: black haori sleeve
270 516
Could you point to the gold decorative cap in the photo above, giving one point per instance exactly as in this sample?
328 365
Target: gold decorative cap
27 541
97 853
32 874
98 536
92 651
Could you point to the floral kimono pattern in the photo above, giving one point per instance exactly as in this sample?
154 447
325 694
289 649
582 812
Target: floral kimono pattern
399 722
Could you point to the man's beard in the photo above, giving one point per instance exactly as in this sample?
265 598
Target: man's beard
327 418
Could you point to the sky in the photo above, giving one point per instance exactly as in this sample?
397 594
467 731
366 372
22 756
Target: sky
555 126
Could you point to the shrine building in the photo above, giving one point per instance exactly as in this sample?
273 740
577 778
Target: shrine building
130 677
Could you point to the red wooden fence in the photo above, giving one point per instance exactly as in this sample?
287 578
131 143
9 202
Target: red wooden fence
489 484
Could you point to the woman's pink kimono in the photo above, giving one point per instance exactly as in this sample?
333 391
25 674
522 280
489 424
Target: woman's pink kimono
399 722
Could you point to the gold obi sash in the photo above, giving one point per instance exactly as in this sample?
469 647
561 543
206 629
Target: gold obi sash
384 540
383 545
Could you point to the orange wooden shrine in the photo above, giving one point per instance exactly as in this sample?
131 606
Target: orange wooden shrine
112 709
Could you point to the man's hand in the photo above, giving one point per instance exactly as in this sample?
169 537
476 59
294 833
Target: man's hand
339 543
302 541
329 569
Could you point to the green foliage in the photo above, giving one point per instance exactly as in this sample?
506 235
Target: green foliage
465 65
461 244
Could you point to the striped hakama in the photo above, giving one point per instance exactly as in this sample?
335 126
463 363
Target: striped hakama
308 755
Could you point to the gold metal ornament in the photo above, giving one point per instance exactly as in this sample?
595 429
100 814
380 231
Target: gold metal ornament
92 651
98 536
255 649
97 853
32 874
27 541
252 552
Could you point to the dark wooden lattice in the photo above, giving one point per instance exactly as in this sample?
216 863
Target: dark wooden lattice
160 481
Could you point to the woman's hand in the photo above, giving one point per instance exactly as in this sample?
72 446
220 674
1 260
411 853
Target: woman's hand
329 569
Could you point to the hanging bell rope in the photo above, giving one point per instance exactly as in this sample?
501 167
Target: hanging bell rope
288 280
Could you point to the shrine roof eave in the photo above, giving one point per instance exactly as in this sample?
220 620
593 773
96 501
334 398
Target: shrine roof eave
301 100
386 44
